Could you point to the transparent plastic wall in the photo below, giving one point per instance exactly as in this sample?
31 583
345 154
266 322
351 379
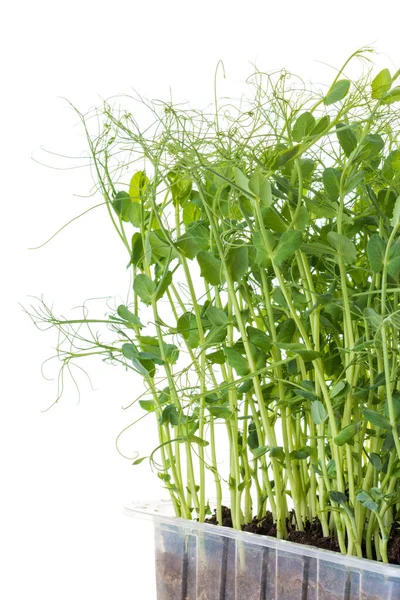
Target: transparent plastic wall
195 561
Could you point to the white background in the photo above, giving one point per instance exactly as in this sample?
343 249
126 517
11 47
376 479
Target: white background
63 484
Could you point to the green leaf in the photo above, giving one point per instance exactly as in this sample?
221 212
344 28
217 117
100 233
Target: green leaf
346 137
391 165
188 245
318 412
277 452
260 339
371 505
304 124
381 84
337 92
299 349
374 319
170 415
321 125
137 186
263 258
343 246
216 316
128 316
377 419
220 412
285 156
347 434
376 461
210 267
216 358
242 182
331 181
237 262
144 287
160 246
162 287
337 389
338 497
392 96
139 460
187 327
121 205
237 361
148 405
191 213
331 469
363 496
252 436
181 186
372 145
376 248
354 181
289 242
300 454
396 213
261 187
285 331
130 351
137 248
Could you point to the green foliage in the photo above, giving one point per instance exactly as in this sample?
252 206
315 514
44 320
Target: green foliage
263 255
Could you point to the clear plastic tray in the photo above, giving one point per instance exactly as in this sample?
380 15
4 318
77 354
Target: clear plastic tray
198 561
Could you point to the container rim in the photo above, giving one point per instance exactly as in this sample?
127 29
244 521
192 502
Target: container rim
162 512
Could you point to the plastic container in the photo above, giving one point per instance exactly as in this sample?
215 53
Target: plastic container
198 561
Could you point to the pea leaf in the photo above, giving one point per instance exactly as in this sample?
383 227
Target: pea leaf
304 124
381 84
237 262
260 339
338 497
343 246
163 284
210 267
318 412
144 287
262 257
376 461
128 316
336 389
216 316
220 412
237 361
148 405
331 181
321 125
347 434
261 187
373 318
130 351
137 186
337 92
377 419
376 248
346 137
242 182
392 96
286 331
289 242
187 327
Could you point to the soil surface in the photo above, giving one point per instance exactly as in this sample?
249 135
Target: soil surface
311 536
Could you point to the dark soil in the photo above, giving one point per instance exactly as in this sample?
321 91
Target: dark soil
311 536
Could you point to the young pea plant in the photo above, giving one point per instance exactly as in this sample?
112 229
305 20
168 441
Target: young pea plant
263 243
